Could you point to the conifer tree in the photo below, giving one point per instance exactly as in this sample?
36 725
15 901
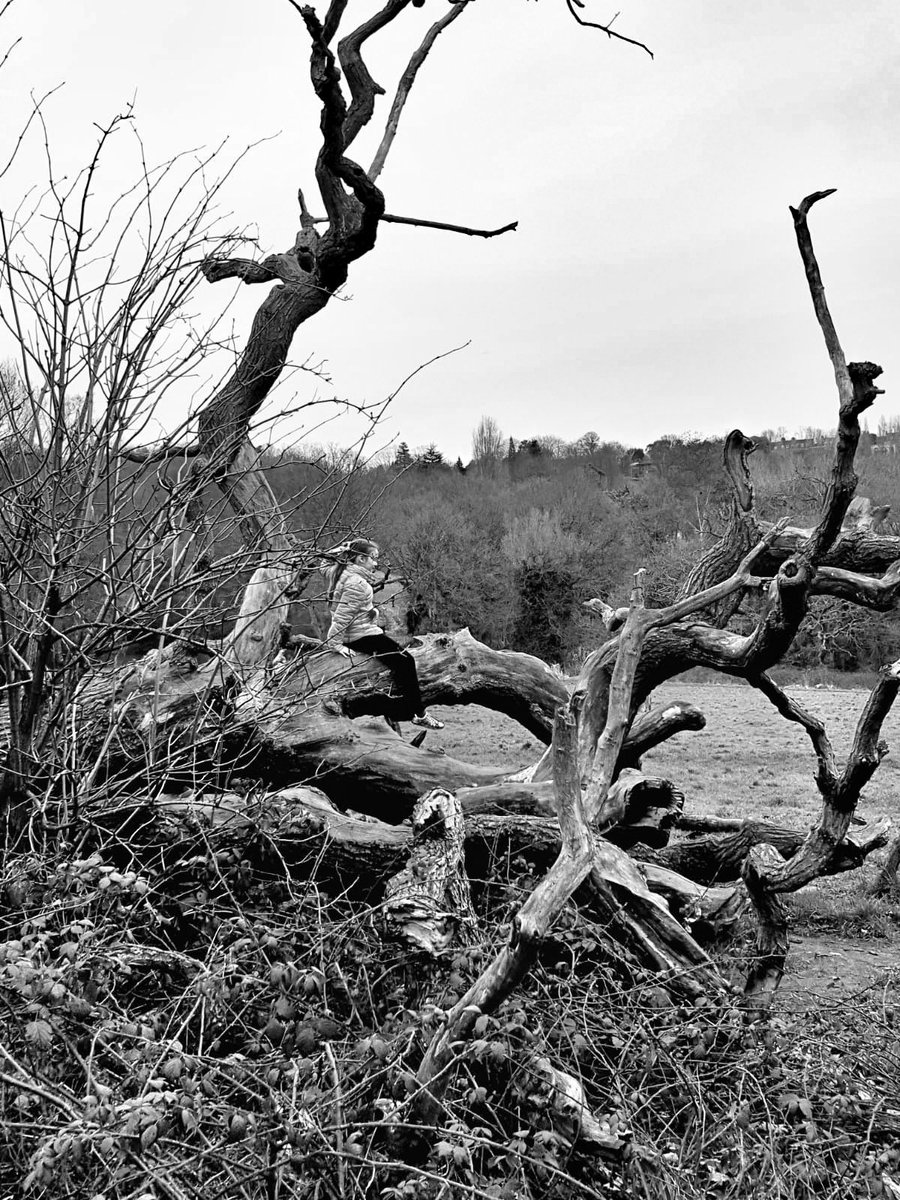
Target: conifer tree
403 458
432 457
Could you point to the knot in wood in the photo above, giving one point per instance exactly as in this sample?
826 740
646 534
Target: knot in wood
515 931
864 390
863 372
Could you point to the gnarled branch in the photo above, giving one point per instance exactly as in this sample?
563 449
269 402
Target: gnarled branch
407 79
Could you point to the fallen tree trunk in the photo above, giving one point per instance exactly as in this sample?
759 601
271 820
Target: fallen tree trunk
720 858
296 724
303 722
650 806
300 827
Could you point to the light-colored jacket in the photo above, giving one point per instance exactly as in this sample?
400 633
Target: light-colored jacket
354 614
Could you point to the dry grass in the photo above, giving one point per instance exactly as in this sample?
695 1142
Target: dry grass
750 762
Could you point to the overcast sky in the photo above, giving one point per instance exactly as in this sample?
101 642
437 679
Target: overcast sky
654 284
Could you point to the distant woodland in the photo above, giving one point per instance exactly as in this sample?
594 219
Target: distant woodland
511 542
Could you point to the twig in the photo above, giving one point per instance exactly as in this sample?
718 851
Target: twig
607 28
389 218
338 1121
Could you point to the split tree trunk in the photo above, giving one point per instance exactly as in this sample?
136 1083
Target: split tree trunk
720 858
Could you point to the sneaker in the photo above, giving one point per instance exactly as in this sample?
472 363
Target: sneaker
428 722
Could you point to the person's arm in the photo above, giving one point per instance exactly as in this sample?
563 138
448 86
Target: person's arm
354 599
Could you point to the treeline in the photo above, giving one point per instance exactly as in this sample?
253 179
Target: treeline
509 543
513 541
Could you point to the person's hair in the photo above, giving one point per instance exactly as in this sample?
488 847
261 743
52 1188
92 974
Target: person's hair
346 553
358 547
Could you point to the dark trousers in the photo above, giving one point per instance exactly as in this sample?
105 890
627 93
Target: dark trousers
398 661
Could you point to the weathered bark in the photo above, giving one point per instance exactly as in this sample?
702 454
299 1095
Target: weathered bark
767 969
303 727
361 764
720 858
651 729
303 830
708 912
570 1112
650 806
429 900
887 877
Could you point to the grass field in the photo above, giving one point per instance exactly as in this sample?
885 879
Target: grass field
747 762
750 762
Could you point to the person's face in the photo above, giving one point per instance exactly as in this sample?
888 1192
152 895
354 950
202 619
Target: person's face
369 560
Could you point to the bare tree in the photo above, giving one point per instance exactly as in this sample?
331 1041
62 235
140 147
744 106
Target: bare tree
102 531
588 443
303 712
305 716
487 446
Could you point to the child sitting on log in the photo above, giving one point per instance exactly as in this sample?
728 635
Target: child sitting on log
354 623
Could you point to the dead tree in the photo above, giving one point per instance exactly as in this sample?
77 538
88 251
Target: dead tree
258 705
306 276
313 719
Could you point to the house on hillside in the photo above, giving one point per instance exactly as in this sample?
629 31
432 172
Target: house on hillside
884 443
640 464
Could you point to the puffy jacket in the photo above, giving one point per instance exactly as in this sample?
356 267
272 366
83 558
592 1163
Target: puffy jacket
353 611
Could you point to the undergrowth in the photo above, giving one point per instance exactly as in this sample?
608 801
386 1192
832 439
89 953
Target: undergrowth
223 1027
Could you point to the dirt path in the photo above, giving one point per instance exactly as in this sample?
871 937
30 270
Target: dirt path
834 966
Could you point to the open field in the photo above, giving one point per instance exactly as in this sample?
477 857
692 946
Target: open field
750 762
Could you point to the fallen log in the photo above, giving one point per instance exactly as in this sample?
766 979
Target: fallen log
306 720
720 858
651 806
300 826
429 899
295 723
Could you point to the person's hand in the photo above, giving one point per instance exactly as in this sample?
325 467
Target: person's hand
343 650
